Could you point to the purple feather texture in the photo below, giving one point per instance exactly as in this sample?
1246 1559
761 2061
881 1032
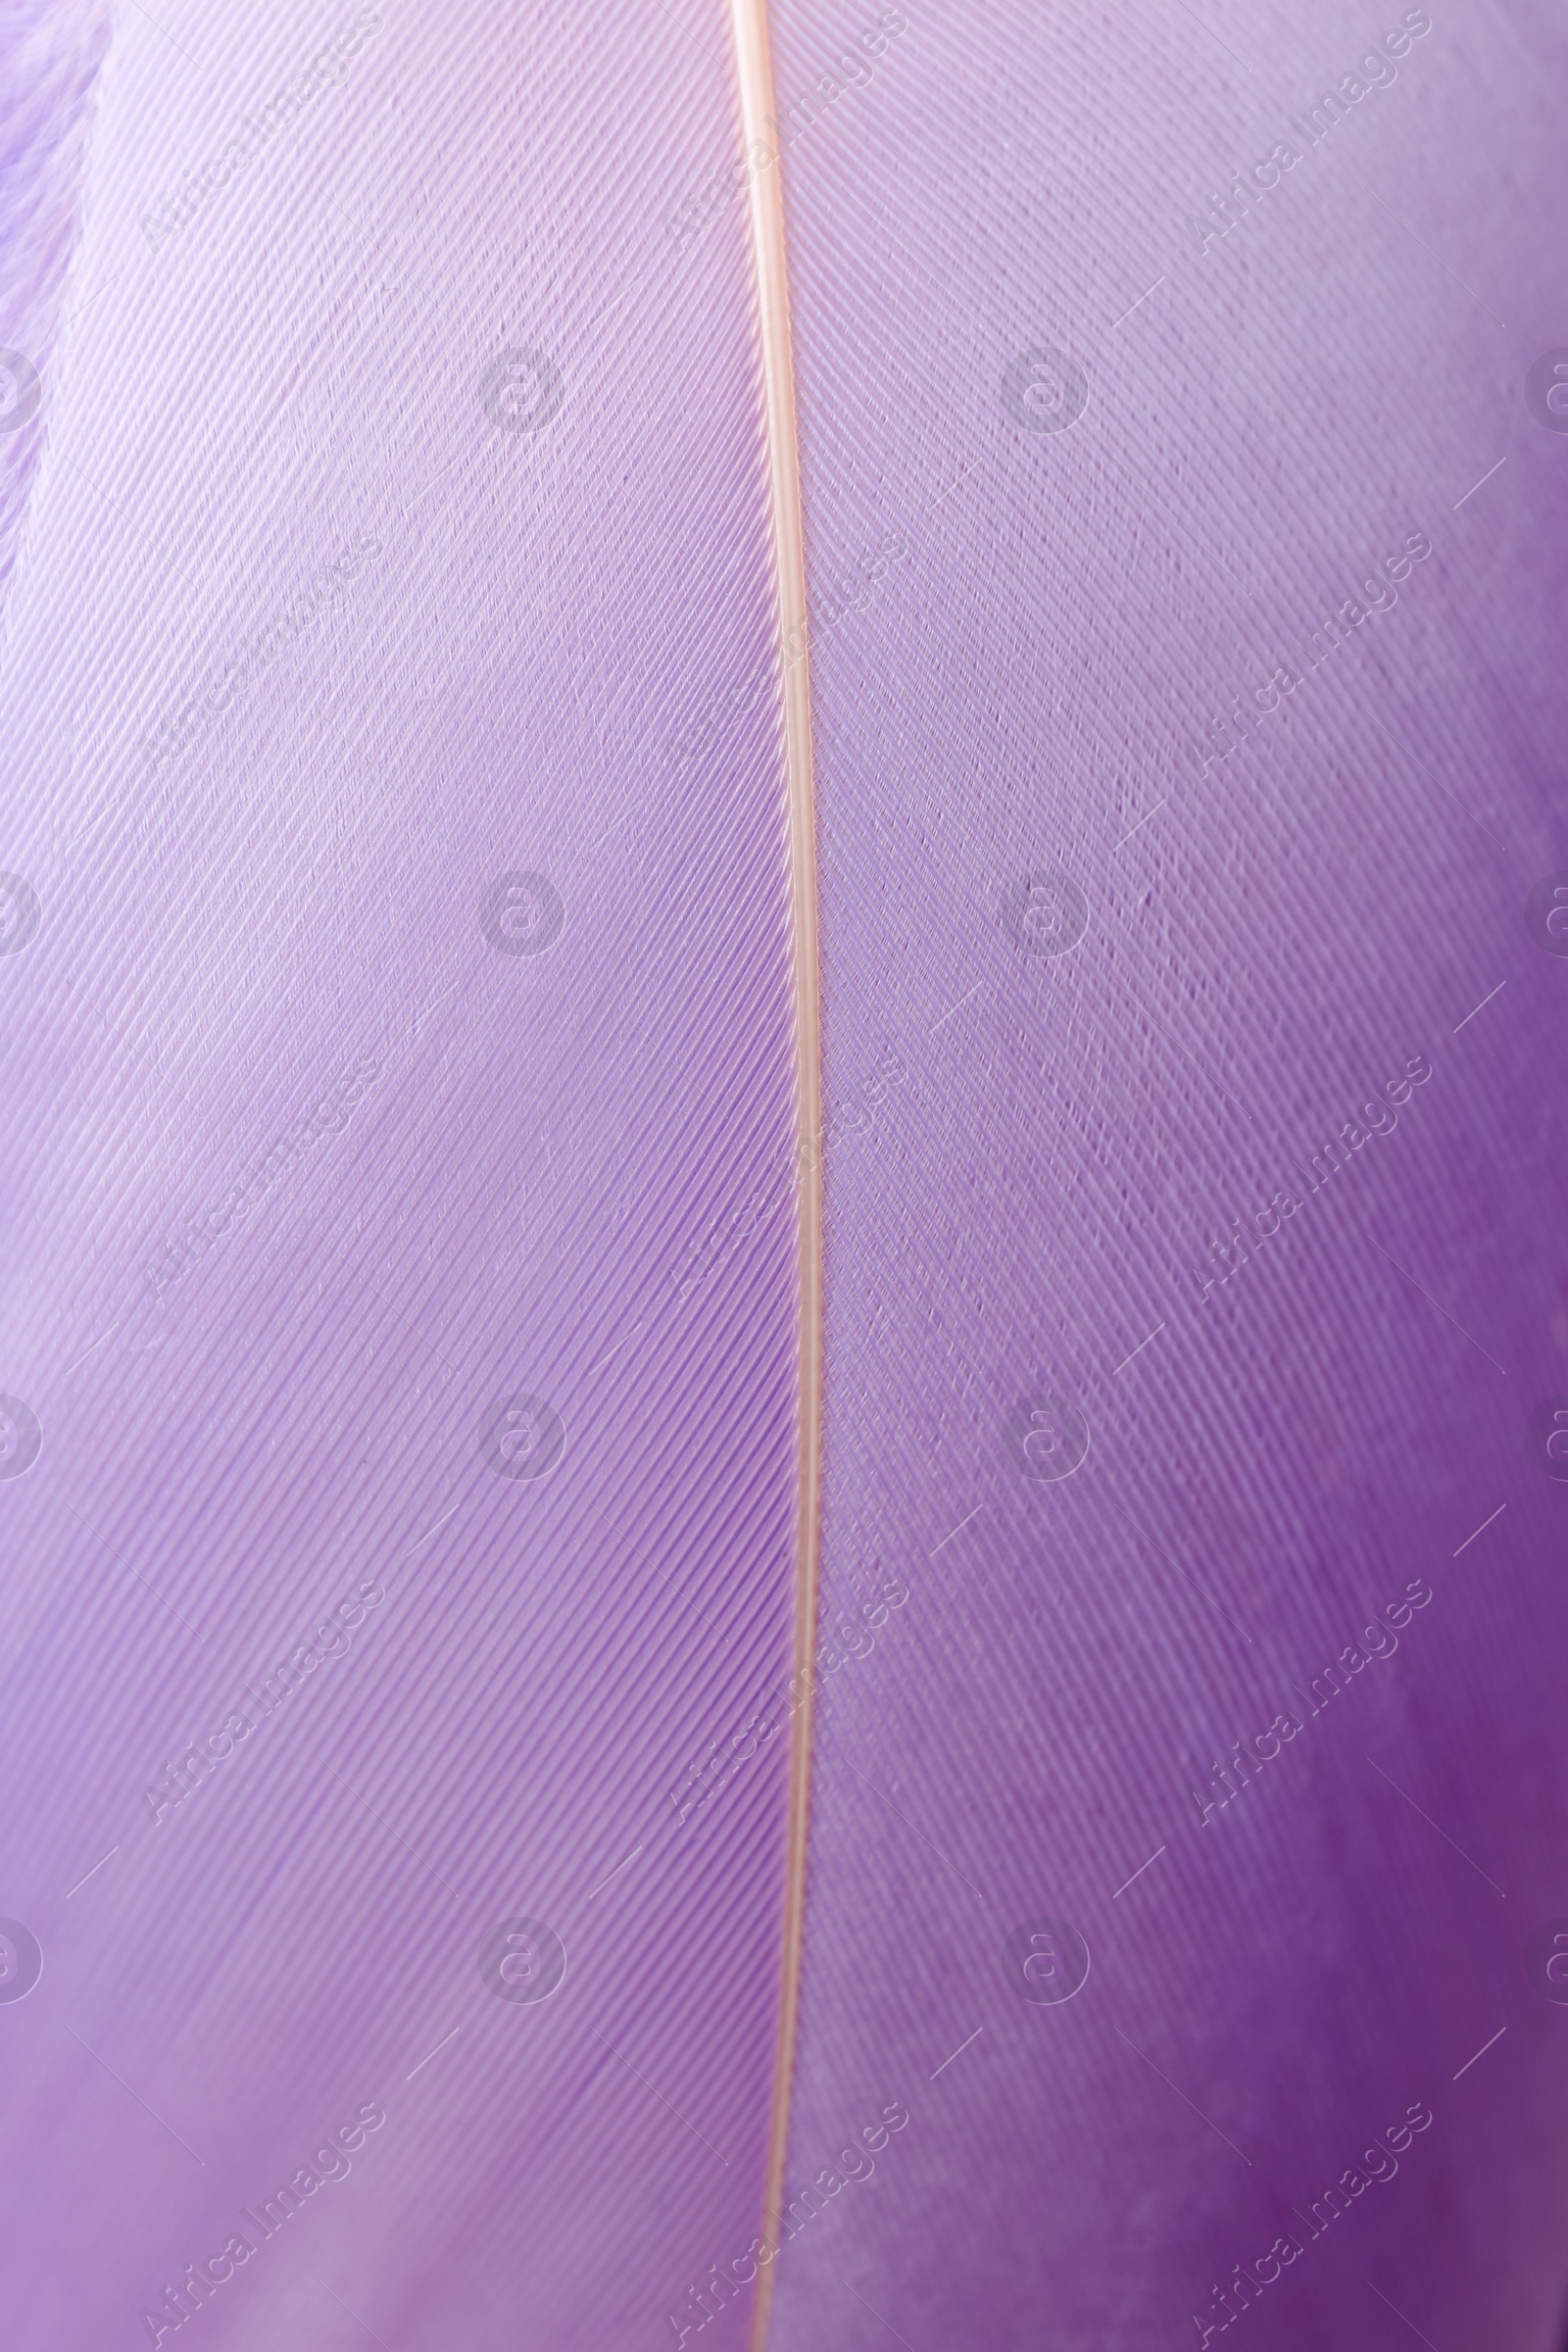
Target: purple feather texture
52 56
401 1339
327 1138
1145 952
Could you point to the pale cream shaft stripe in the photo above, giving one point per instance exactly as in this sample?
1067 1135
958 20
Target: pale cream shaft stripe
755 66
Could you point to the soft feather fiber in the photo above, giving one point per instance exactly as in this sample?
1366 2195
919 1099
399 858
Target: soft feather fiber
396 1223
52 53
